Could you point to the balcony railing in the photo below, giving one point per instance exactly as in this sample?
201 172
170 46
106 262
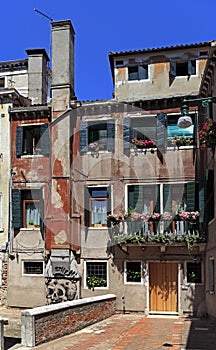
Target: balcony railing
163 232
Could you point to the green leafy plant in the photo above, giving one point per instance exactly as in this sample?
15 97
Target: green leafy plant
31 222
182 141
93 281
133 276
207 135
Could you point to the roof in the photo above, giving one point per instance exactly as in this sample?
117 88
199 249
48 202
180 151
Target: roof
14 65
176 47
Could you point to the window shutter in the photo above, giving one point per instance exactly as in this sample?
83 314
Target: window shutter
109 200
191 196
41 208
110 135
143 72
83 136
19 141
16 208
172 68
167 206
135 198
202 201
44 139
86 206
157 204
191 67
126 135
161 131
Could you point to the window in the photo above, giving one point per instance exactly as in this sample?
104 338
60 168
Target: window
145 128
96 274
211 276
31 212
138 72
119 63
146 198
173 129
97 206
133 272
99 136
32 140
27 208
2 83
184 68
32 267
194 272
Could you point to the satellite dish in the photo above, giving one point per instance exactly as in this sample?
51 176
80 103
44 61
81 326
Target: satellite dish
184 122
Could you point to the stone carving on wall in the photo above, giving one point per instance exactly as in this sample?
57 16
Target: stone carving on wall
62 276
60 289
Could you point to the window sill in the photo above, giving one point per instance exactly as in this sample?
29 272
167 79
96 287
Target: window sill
97 152
1 229
30 228
98 227
170 148
32 155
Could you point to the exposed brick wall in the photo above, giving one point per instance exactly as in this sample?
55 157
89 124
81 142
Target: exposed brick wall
55 321
3 287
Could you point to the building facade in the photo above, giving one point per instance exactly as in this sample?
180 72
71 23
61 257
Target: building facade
109 196
138 187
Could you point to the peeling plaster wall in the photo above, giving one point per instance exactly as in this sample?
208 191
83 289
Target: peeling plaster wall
159 83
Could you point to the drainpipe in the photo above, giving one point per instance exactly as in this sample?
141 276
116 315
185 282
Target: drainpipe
10 233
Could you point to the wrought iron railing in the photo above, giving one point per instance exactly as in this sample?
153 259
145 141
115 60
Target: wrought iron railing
167 232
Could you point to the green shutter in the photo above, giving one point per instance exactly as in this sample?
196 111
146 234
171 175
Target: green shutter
157 204
109 200
167 205
86 206
83 136
191 196
41 208
202 201
110 135
16 209
19 141
44 139
161 131
126 135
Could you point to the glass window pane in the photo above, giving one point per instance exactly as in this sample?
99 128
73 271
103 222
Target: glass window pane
99 211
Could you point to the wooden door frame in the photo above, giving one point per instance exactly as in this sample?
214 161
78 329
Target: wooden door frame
148 287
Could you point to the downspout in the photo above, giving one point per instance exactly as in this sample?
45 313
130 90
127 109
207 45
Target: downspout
10 233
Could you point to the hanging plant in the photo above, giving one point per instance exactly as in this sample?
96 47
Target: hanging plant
207 135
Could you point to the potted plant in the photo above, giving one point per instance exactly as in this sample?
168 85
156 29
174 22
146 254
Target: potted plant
143 143
182 141
207 135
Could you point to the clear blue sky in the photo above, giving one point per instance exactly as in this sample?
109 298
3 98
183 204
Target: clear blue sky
102 26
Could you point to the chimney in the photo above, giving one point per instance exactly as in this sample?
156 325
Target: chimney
37 75
62 88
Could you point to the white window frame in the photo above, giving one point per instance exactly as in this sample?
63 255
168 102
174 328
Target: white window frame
141 270
32 274
85 272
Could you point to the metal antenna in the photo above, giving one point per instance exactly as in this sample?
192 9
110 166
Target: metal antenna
51 20
43 14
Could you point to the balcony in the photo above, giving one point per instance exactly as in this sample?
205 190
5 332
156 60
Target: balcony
158 231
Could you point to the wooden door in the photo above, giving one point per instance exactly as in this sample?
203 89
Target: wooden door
163 287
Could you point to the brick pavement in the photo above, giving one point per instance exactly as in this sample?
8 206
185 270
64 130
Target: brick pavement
138 332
